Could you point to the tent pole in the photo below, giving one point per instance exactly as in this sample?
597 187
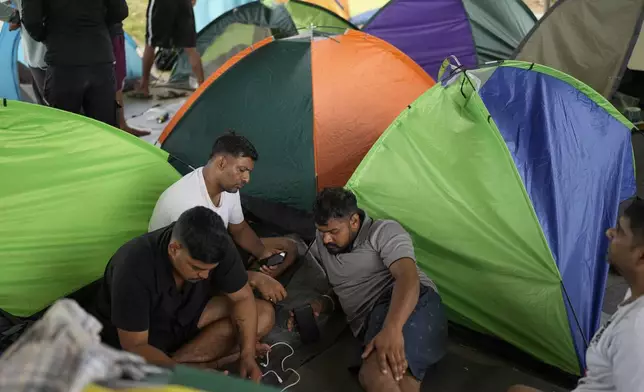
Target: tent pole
547 5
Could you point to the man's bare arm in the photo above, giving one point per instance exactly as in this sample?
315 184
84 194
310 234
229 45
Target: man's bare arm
405 294
137 343
245 236
244 316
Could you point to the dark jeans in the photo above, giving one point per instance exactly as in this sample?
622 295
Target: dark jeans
88 90
38 84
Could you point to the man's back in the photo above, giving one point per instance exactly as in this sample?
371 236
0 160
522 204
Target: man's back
74 31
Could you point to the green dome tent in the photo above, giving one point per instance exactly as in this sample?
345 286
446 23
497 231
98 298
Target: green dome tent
243 26
507 178
73 191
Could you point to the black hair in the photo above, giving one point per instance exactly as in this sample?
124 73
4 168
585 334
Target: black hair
634 211
203 233
334 203
235 145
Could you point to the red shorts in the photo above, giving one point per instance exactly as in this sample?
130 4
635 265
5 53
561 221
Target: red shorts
118 46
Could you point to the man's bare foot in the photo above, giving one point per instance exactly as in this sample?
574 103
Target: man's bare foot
135 132
260 351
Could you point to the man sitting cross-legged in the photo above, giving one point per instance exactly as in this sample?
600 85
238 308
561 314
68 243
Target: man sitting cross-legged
180 294
391 306
615 356
216 186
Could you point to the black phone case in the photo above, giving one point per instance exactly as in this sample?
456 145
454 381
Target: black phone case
306 324
274 260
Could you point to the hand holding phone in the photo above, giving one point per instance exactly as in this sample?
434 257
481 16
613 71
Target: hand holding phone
273 260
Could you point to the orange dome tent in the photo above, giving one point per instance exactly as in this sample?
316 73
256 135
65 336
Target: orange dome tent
312 105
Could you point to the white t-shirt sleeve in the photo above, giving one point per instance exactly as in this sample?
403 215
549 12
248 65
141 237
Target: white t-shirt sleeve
236 213
628 355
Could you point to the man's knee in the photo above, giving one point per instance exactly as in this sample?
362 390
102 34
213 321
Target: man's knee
265 317
371 377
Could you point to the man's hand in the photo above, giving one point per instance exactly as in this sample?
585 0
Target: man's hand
389 346
248 368
14 26
194 2
274 246
269 288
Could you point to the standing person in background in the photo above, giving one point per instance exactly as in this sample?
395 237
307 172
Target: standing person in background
120 70
80 73
169 24
34 54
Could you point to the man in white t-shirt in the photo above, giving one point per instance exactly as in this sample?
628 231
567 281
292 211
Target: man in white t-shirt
216 186
615 356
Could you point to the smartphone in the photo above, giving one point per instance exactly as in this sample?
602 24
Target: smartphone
274 260
306 324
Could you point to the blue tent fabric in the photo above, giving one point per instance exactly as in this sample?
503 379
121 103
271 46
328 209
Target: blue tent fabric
134 63
9 44
571 208
208 10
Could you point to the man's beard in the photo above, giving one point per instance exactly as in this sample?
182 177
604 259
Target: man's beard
333 249
193 280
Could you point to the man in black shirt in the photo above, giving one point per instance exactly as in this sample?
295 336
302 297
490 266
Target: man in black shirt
180 294
80 74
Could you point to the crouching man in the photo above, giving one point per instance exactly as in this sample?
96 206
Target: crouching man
180 294
391 306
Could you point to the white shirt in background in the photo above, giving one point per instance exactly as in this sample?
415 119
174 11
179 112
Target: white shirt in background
190 191
615 357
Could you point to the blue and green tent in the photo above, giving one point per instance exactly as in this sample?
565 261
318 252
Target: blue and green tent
507 178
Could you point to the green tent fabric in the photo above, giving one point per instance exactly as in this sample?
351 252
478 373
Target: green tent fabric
486 181
498 26
73 191
243 26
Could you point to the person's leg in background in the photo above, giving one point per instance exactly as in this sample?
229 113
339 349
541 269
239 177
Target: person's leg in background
159 23
120 70
64 87
99 101
185 36
38 84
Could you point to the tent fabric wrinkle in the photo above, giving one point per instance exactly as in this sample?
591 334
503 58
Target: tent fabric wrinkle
74 190
312 120
498 26
426 31
496 178
572 38
548 162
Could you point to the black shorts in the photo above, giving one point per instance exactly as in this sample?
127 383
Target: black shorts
170 24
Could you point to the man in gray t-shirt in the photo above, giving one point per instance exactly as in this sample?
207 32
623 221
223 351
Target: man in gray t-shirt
392 306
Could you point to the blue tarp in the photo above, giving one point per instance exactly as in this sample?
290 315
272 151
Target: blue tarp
559 139
9 43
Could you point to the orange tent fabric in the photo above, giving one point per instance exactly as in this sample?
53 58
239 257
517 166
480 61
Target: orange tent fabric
313 107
